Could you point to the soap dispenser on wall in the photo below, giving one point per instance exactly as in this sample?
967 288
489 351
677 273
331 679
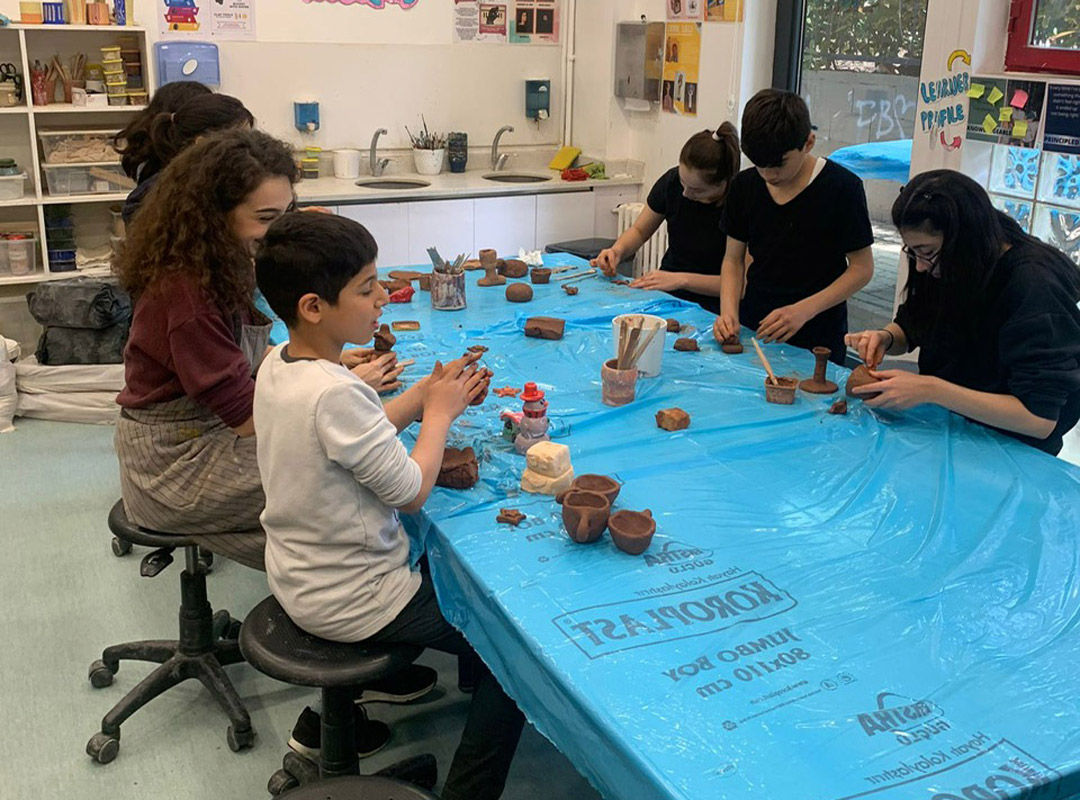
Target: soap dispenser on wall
306 116
538 99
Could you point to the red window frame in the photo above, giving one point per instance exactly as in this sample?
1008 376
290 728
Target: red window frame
1021 56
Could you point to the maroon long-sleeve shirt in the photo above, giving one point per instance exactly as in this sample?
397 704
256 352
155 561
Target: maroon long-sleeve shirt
182 343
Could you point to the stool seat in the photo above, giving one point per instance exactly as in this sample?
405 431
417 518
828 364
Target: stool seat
125 529
273 644
370 787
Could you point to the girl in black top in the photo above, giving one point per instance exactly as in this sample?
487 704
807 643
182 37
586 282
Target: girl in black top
690 198
992 310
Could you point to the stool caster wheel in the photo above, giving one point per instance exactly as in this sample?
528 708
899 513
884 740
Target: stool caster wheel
303 769
281 782
100 677
239 740
120 547
102 747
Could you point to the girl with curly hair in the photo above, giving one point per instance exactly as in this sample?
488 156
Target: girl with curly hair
185 438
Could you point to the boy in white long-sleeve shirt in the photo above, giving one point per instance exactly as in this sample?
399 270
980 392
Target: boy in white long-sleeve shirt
335 473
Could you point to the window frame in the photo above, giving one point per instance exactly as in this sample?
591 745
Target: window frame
1022 56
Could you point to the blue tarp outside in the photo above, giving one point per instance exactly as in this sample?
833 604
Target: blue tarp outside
834 607
889 161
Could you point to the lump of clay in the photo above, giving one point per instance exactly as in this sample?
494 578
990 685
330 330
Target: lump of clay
632 531
519 293
545 327
570 290
860 376
585 515
839 407
672 419
405 325
408 275
384 340
459 469
394 285
548 469
687 345
674 326
540 275
511 516
476 348
512 268
732 346
471 264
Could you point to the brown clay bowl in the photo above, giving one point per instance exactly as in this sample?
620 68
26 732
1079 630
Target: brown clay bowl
589 482
585 515
632 531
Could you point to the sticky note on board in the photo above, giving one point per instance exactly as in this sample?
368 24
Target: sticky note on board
1005 115
989 124
1020 129
976 91
995 96
1019 100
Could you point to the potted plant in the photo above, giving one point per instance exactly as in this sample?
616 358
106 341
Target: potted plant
429 150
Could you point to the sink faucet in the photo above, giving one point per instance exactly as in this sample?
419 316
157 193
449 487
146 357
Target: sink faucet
377 164
499 161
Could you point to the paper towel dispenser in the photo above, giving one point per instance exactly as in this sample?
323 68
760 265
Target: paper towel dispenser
639 60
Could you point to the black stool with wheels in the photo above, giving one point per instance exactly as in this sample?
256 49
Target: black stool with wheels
206 644
369 787
273 644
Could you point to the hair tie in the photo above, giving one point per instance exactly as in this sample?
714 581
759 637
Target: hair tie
715 136
172 117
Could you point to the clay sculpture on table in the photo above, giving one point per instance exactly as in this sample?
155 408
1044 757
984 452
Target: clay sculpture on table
511 516
732 346
672 419
403 295
394 285
405 325
490 264
472 263
519 292
545 327
860 376
585 515
839 407
687 345
425 282
632 531
408 275
548 469
782 392
591 482
459 469
384 340
570 290
507 391
512 268
540 275
476 348
674 326
819 384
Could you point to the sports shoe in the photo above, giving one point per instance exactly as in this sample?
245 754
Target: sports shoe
371 735
404 686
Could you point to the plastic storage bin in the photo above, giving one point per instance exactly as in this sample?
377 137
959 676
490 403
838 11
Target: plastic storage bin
19 254
78 147
101 178
11 186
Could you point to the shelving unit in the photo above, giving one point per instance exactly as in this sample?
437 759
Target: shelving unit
21 44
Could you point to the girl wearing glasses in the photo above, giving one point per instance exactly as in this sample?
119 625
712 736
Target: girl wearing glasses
992 310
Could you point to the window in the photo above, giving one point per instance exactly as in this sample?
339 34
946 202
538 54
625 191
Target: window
1044 36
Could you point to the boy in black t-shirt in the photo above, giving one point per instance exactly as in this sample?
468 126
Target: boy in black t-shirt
805 222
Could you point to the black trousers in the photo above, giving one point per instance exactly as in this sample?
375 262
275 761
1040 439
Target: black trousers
491 734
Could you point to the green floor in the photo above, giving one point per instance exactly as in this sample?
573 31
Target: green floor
66 596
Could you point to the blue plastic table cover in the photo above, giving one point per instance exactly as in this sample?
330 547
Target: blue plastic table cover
889 161
872 606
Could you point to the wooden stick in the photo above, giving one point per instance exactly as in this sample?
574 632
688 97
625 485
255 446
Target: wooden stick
576 275
641 350
631 345
408 362
765 361
621 351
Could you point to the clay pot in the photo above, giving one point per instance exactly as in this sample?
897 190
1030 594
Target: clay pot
782 392
632 531
597 484
819 384
519 292
489 259
585 515
540 275
860 376
425 282
618 385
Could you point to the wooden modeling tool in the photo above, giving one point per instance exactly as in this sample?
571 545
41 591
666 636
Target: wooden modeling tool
765 361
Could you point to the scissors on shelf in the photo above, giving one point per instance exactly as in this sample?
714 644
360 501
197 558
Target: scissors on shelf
9 73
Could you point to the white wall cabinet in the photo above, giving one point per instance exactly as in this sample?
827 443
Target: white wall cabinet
389 224
564 217
505 224
445 224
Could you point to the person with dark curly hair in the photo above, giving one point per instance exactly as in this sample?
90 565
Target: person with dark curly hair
131 142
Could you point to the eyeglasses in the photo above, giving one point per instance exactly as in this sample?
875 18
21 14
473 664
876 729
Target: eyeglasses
930 260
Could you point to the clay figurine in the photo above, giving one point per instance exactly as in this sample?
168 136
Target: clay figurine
632 531
585 515
403 295
519 292
384 340
486 384
548 469
532 422
674 326
545 327
512 268
491 269
459 469
839 407
507 391
511 516
476 348
732 346
672 419
819 384
687 345
425 282
570 290
860 376
408 275
782 392
540 275
472 263
405 325
392 286
590 482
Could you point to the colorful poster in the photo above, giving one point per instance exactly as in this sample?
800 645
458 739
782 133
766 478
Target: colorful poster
479 22
179 16
222 20
685 10
535 22
941 105
724 11
1062 128
233 19
1005 111
406 4
682 59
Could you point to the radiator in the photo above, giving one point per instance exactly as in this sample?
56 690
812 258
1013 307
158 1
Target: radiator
652 252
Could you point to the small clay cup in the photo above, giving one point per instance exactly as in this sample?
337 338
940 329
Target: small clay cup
585 515
540 275
632 531
783 392
618 385
425 282
589 482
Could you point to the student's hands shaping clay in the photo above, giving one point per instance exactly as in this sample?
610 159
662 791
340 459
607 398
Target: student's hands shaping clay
606 261
870 345
726 326
783 323
898 390
381 373
450 389
660 281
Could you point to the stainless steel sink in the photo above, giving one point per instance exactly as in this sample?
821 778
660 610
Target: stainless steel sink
515 177
393 183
